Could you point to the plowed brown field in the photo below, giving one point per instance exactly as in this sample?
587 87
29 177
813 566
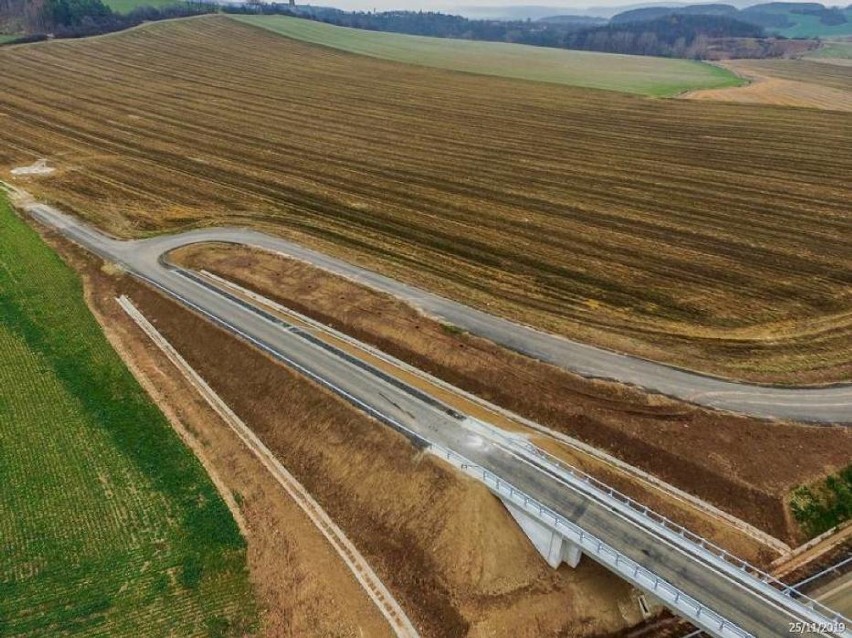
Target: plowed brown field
786 83
710 235
828 75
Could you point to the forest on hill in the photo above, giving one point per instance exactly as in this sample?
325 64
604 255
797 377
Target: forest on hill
792 18
33 19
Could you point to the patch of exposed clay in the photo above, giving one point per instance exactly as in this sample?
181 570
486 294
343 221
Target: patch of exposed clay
40 167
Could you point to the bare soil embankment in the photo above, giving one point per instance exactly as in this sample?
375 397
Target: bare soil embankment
442 543
745 466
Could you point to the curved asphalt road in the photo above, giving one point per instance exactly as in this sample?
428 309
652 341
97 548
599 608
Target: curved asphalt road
832 404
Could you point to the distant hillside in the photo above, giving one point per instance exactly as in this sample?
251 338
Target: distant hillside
589 21
835 50
537 12
788 19
654 13
629 73
674 35
800 19
519 12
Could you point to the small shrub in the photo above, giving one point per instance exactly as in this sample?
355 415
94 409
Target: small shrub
818 508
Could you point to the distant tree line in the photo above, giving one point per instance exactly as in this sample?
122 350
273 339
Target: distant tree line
673 35
429 23
17 15
679 35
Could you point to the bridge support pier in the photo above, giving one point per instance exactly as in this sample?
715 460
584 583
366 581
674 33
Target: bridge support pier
553 547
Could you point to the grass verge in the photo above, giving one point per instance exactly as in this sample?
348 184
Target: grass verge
110 525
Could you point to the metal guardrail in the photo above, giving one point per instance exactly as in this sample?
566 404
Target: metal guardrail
422 396
617 561
375 352
791 591
834 568
548 459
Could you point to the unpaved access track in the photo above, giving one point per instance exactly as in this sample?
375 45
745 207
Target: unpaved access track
831 404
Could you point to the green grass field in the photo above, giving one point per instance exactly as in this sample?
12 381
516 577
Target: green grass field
108 523
7 38
125 6
644 75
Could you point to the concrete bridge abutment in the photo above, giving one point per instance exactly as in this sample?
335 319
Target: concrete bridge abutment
553 547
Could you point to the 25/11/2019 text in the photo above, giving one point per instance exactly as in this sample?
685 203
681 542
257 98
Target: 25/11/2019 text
799 627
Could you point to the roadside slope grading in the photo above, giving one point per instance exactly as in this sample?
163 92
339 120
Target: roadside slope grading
302 587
